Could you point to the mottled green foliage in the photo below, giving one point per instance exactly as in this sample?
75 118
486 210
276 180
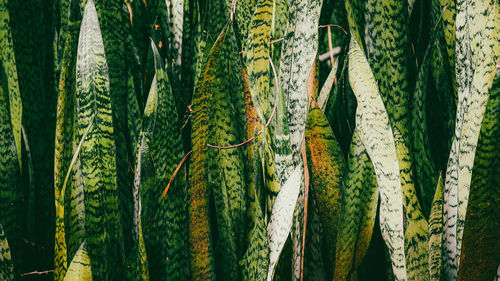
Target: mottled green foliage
97 156
326 165
163 220
6 266
480 251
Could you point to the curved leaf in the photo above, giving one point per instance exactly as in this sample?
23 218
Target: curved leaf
481 248
477 52
79 268
282 217
357 213
327 166
372 125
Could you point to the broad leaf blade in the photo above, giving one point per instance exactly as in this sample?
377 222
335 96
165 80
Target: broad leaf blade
98 158
372 125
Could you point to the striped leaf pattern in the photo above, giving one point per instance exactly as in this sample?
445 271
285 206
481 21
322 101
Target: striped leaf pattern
326 165
163 220
258 50
200 240
10 72
477 53
372 125
190 140
6 266
79 268
436 233
358 211
64 147
97 156
480 251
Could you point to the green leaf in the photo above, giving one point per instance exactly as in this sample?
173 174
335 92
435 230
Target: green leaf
6 266
436 233
416 229
282 217
163 220
326 165
357 213
79 268
481 250
200 241
477 52
64 147
227 166
372 125
97 156
298 54
257 58
324 94
11 206
8 62
255 262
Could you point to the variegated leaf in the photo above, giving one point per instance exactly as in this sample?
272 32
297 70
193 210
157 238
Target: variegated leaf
477 51
372 125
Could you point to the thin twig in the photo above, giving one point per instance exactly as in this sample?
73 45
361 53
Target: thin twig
268 121
37 272
335 51
335 25
277 40
175 173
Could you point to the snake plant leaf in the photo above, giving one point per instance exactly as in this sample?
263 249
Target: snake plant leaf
324 94
64 141
278 29
477 52
281 142
387 50
326 165
60 247
357 212
298 54
97 156
441 96
257 54
480 250
281 219
114 27
226 166
10 192
425 171
449 15
356 18
372 125
436 233
138 261
6 266
8 61
79 268
416 229
255 262
200 240
163 221
176 8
